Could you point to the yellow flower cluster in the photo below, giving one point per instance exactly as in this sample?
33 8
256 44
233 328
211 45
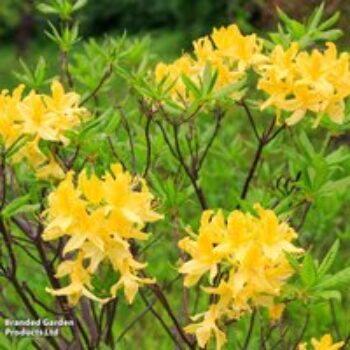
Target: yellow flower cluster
244 257
325 343
226 50
298 82
39 117
99 216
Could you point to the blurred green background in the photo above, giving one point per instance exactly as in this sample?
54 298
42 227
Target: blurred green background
173 24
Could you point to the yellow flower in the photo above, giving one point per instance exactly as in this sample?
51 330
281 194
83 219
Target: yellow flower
226 51
249 251
10 118
231 44
91 187
208 327
65 109
325 343
299 82
37 118
50 168
205 256
99 216
79 281
276 311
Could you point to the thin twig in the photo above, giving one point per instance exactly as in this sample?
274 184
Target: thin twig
25 249
163 300
346 342
139 316
250 330
303 330
3 181
334 318
192 177
148 146
114 152
304 215
111 308
135 320
160 319
219 116
107 74
264 140
37 301
130 137
248 112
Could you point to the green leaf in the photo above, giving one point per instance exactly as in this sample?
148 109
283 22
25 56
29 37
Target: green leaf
306 145
79 4
328 295
293 262
24 344
328 260
5 343
334 186
190 85
330 22
330 35
229 89
338 280
308 271
19 205
17 145
46 9
295 27
315 18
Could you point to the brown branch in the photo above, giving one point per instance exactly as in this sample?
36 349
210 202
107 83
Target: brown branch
264 140
37 301
3 181
218 117
160 319
163 300
8 243
130 137
192 177
89 320
249 114
148 146
107 74
65 68
135 320
303 330
334 318
111 308
114 152
250 330
304 215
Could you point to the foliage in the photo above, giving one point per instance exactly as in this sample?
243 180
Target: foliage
114 167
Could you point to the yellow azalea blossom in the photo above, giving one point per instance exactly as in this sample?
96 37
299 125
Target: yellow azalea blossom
50 168
34 118
226 51
208 327
80 281
99 215
249 251
231 44
10 118
205 255
299 82
276 311
325 343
